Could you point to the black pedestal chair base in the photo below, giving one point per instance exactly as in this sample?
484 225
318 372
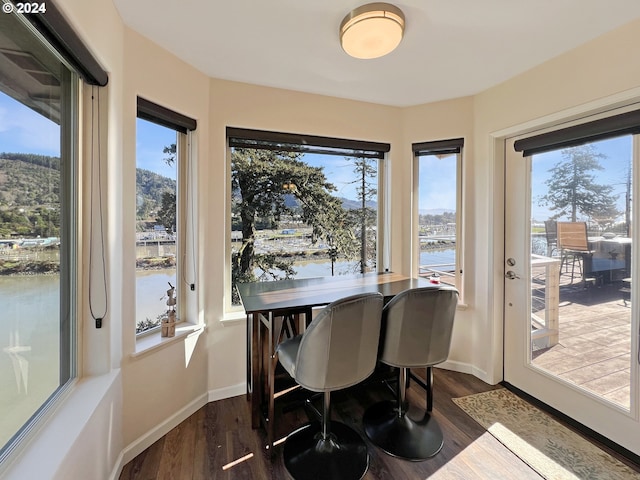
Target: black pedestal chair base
416 332
342 456
399 435
323 359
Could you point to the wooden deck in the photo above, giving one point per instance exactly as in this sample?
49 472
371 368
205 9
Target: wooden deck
594 337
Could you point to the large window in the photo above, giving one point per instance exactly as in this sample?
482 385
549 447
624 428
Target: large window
437 168
302 206
156 188
38 226
161 159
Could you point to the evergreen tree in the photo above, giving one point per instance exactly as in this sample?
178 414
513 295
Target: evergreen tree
170 152
167 212
262 183
167 209
572 188
365 216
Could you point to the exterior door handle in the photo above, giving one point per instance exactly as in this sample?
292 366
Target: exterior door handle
511 275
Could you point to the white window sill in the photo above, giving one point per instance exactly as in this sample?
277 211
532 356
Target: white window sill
231 318
154 341
52 439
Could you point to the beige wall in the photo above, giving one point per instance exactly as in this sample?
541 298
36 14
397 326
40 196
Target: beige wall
160 383
597 76
248 106
143 393
436 121
599 69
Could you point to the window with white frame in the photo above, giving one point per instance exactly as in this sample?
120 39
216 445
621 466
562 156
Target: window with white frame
437 173
302 206
161 138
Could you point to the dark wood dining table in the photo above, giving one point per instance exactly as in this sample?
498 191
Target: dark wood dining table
268 303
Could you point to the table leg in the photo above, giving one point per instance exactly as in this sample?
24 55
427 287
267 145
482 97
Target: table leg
271 375
255 370
263 338
249 357
263 408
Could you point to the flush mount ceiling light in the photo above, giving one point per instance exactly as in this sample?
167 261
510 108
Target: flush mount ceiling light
372 30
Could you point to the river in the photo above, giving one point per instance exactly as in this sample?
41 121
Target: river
321 268
30 339
29 330
30 303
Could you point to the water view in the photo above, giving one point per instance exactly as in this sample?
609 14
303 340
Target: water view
322 268
30 339
29 346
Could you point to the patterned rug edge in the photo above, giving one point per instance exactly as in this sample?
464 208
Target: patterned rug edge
564 454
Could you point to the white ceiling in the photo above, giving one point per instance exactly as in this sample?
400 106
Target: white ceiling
451 48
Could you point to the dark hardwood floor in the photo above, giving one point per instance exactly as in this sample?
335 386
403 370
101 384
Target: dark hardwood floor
217 442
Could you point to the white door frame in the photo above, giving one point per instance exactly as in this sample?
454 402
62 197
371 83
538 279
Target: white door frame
572 401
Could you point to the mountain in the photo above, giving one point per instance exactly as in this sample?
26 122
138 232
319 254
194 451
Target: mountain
150 187
348 204
30 181
435 211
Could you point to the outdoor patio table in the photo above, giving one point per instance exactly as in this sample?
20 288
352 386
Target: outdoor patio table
609 258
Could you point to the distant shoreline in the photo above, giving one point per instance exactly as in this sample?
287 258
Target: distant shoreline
28 267
22 267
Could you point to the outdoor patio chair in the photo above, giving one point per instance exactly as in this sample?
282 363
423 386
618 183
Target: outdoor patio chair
551 232
574 245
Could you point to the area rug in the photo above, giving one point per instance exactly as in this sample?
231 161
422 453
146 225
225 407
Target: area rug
547 446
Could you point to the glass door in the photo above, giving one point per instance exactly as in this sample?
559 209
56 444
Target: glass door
569 318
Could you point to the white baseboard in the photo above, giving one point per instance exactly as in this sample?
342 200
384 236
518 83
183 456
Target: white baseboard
143 442
465 368
117 467
227 392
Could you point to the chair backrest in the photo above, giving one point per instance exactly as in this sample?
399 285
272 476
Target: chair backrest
573 236
417 326
551 232
339 348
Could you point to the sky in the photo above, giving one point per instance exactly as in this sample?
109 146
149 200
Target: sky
338 171
437 176
150 141
617 151
437 183
434 175
24 131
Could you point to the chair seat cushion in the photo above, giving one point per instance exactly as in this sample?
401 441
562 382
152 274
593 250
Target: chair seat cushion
288 354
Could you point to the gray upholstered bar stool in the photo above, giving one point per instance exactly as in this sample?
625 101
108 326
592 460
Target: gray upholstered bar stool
416 332
338 350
